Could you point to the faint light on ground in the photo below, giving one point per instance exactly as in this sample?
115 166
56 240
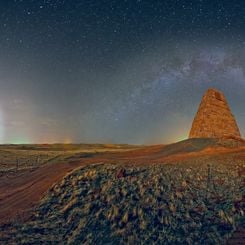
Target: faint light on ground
182 137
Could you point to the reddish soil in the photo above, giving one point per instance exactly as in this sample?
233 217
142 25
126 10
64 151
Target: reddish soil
20 193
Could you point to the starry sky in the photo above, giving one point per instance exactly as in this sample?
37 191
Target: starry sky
116 71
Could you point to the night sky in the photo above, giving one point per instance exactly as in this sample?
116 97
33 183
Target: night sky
116 71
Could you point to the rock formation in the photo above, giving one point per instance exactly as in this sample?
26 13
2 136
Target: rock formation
214 118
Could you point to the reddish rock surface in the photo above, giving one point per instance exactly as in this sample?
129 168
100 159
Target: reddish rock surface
214 118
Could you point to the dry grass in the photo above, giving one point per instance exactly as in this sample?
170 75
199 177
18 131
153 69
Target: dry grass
23 157
182 203
15 160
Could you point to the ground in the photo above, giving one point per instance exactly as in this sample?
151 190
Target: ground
170 193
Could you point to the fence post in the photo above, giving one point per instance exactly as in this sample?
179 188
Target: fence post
208 181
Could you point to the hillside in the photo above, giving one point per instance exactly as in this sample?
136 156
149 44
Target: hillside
181 203
177 193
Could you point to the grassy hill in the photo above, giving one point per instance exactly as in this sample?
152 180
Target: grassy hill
198 202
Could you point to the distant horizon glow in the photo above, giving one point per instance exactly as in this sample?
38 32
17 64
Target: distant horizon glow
1 128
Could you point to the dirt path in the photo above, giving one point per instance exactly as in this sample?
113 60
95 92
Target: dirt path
22 193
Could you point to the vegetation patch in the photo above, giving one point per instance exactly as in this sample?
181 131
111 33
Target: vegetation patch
191 203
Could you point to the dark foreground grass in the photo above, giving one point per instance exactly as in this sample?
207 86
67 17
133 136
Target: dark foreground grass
191 203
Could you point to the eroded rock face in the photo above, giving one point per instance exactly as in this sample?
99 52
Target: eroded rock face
214 118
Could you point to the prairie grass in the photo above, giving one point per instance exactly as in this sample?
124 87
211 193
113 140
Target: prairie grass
182 203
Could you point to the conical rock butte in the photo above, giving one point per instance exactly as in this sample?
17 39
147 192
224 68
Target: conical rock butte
214 118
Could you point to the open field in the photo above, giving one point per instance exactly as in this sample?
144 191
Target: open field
22 186
178 193
23 157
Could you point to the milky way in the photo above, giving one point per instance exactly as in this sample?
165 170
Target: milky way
116 71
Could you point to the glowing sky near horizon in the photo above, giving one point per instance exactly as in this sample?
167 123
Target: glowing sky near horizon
116 71
1 128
